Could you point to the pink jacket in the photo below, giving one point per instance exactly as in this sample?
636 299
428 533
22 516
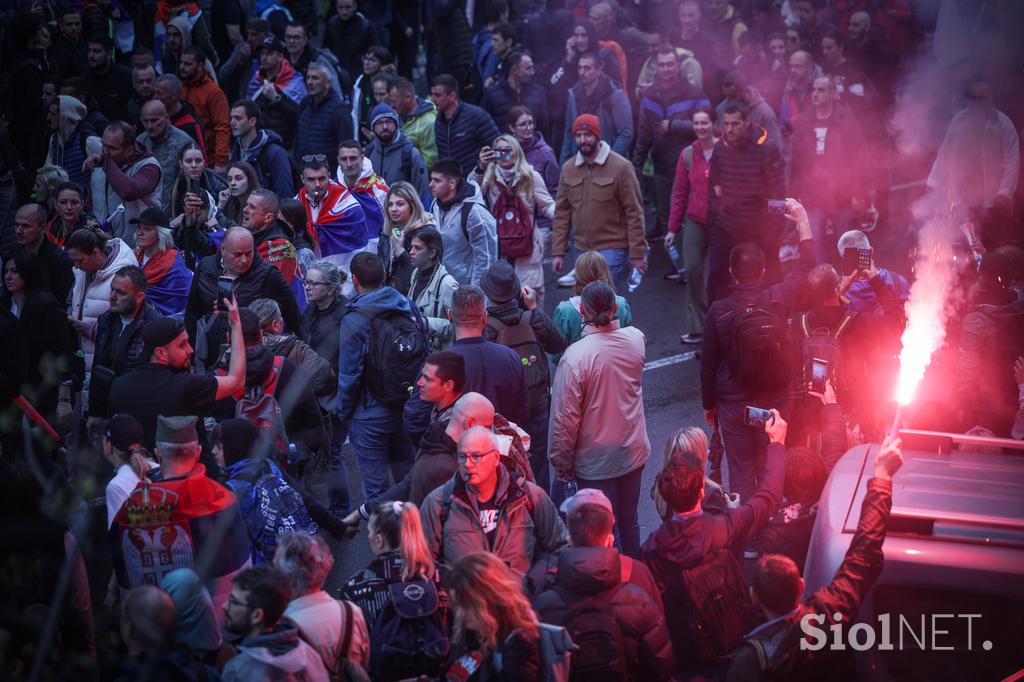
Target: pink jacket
690 190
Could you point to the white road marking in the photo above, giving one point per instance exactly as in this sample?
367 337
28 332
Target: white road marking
673 360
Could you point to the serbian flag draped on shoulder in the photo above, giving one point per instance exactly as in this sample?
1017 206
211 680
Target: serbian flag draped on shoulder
336 222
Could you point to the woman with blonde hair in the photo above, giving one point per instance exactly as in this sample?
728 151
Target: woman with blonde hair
691 439
395 533
403 215
516 193
492 616
168 277
568 316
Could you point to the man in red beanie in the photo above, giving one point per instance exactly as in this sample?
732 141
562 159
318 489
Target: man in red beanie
599 199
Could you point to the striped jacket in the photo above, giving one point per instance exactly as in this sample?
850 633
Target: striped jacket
674 103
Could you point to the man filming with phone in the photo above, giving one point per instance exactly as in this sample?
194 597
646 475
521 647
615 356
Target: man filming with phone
745 356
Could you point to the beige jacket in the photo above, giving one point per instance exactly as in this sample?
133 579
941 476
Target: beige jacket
601 202
598 430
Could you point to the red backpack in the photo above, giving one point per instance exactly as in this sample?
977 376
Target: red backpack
514 223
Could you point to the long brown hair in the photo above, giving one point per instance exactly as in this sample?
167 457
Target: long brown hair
402 528
488 600
591 267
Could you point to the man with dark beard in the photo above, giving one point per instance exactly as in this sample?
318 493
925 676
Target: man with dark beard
392 155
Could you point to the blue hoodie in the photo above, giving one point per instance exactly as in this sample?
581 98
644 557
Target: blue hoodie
353 400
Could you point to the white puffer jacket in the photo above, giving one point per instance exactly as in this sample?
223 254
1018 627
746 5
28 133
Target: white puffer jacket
90 296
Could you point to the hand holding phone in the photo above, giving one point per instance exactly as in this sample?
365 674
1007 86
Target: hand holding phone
756 416
225 290
778 206
819 374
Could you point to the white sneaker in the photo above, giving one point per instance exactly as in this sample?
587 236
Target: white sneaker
568 279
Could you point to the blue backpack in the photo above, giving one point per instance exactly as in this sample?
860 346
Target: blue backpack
409 637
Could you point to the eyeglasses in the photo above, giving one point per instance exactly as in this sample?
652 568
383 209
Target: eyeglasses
234 602
309 158
503 150
475 457
526 124
310 284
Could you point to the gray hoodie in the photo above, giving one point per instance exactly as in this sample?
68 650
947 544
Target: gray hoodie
279 655
467 253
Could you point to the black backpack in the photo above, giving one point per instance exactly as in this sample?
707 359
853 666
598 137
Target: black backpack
397 347
409 637
601 653
823 343
523 340
718 607
759 356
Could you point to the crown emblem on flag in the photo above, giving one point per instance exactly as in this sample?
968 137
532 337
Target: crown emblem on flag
148 505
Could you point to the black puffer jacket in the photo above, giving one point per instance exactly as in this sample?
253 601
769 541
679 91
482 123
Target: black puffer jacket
259 281
591 571
320 328
750 173
461 136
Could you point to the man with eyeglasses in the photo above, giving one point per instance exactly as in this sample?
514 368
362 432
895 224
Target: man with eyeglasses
485 507
335 218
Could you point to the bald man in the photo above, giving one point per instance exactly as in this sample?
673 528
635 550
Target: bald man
867 48
165 141
249 278
484 507
30 234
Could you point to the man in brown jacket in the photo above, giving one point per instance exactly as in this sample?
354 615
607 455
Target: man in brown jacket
599 198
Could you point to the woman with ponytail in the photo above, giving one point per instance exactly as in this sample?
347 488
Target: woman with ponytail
598 430
395 532
122 447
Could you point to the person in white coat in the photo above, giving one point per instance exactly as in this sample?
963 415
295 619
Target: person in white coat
598 434
502 168
97 257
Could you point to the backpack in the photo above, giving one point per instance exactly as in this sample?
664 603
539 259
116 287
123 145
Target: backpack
397 347
409 636
270 507
758 359
712 608
823 343
556 651
523 340
260 408
514 224
600 654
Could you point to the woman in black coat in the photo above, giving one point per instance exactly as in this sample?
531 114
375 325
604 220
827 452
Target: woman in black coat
49 339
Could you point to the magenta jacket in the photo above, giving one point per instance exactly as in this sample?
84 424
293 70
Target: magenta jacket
690 190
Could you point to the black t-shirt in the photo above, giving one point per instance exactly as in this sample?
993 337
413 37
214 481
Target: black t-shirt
153 390
487 512
225 13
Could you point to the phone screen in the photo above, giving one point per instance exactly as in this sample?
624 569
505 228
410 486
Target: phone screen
225 285
756 417
819 375
194 187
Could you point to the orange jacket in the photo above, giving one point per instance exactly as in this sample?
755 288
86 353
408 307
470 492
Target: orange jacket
211 105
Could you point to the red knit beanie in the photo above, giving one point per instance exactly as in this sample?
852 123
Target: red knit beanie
587 122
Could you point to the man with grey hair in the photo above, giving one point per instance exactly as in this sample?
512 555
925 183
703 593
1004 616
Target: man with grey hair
201 516
872 290
493 370
279 342
463 515
306 560
165 142
323 118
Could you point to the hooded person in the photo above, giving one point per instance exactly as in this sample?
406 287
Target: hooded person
70 143
171 58
392 154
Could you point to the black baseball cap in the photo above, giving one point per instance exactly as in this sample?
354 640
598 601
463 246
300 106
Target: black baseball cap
152 216
124 431
159 333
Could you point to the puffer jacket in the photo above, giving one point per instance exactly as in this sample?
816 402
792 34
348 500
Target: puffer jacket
434 303
529 527
467 255
321 126
461 136
320 329
501 97
529 269
675 104
419 128
598 430
355 401
90 297
750 173
594 572
773 651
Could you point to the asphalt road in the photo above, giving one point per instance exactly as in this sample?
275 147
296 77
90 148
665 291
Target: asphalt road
671 394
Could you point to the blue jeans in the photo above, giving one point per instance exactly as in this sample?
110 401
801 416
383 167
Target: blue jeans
618 266
339 499
624 493
381 445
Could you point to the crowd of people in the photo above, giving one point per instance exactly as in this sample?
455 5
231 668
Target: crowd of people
247 243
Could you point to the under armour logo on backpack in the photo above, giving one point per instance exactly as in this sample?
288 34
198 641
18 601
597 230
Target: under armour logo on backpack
403 348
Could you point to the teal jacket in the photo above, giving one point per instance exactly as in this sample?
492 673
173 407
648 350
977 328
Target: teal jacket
568 320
